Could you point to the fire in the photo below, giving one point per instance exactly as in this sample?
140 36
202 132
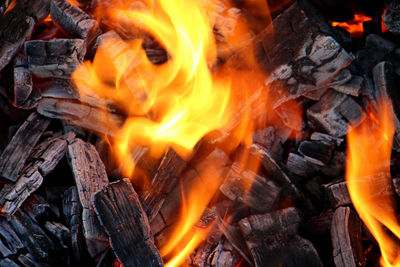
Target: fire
369 180
177 103
354 26
10 6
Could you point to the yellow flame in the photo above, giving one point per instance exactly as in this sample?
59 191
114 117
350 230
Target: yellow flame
369 180
177 103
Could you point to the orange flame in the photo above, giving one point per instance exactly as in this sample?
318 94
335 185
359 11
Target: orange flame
354 26
177 103
369 180
10 6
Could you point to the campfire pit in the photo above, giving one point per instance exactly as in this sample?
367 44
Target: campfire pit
199 133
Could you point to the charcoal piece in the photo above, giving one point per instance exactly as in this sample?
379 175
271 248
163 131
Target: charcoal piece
299 166
60 232
101 39
267 235
72 210
316 152
235 237
43 159
385 88
338 194
290 113
396 185
32 236
352 87
107 259
39 209
22 83
54 58
8 263
15 28
10 242
17 151
12 196
276 173
81 115
166 176
251 189
311 58
346 238
351 111
316 136
224 255
324 115
319 225
301 252
28 261
37 9
129 235
375 50
90 176
72 20
390 18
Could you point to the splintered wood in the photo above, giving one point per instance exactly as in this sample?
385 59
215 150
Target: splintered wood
121 213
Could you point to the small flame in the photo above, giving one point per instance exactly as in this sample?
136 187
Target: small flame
354 26
10 6
369 180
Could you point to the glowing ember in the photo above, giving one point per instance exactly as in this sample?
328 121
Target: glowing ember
354 26
369 180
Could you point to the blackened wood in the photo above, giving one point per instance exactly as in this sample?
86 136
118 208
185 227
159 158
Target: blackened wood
10 242
346 238
235 237
107 259
15 28
8 263
38 9
39 209
72 20
352 87
385 88
28 261
54 58
316 152
43 159
78 114
301 252
224 255
311 57
13 195
338 194
267 234
299 166
396 185
60 232
32 236
90 176
253 190
17 151
166 176
333 112
22 81
120 212
72 211
316 136
390 18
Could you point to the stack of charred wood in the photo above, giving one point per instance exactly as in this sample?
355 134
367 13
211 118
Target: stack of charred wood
64 202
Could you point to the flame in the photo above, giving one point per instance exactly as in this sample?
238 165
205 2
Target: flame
177 103
10 6
354 26
369 180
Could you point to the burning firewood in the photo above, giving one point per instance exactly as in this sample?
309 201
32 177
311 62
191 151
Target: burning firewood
129 235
